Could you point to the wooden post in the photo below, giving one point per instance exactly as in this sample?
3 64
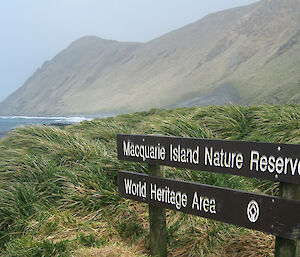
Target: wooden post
287 247
157 216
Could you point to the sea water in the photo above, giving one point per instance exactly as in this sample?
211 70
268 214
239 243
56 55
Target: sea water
10 122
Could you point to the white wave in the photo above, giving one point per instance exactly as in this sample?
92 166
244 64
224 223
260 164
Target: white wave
57 119
72 119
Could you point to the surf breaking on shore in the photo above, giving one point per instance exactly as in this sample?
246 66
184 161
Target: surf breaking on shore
10 122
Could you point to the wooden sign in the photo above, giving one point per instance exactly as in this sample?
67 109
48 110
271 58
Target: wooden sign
277 162
260 212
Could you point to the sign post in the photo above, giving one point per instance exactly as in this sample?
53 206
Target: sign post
283 246
276 162
157 220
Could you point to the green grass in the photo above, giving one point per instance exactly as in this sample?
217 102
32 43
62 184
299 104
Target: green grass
58 193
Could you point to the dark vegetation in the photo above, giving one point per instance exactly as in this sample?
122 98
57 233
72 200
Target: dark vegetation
58 194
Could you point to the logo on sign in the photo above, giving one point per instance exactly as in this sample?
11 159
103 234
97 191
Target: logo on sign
253 211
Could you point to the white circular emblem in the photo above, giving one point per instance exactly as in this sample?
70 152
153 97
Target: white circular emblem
253 211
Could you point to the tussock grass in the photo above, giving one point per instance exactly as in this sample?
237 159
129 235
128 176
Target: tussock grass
113 250
284 121
58 193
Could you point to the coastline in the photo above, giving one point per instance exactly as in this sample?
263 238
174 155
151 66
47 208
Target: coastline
8 123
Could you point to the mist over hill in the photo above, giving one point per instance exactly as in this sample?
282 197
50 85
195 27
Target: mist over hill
244 55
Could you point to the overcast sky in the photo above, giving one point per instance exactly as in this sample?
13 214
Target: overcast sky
34 31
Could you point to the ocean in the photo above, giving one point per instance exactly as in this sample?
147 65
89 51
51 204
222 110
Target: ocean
10 122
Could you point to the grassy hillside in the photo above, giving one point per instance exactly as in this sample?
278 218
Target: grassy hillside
58 194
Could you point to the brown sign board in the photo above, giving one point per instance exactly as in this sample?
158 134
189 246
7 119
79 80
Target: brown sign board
276 162
260 212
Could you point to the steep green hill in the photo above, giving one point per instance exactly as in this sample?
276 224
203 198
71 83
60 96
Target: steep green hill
58 194
245 55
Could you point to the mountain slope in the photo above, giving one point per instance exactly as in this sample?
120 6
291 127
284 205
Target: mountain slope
245 55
